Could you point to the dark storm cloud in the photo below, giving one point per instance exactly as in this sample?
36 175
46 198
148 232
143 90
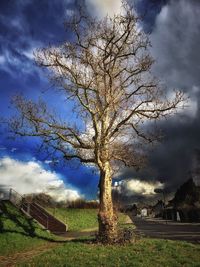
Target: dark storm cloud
175 46
148 11
175 42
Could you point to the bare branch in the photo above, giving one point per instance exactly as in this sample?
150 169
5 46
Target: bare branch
105 68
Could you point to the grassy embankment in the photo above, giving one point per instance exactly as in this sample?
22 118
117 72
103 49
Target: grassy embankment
20 234
80 219
76 219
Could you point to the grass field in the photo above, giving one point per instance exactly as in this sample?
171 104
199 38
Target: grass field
37 247
18 233
76 219
146 253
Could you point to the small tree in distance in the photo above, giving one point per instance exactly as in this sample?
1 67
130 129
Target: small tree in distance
105 69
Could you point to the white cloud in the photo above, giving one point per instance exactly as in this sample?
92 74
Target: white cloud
192 107
137 187
48 161
163 15
69 12
103 8
13 149
31 177
29 53
2 59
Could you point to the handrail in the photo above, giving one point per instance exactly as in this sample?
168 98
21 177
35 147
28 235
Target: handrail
42 218
40 211
26 202
35 210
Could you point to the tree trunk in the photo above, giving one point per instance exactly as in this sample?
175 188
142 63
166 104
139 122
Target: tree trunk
106 217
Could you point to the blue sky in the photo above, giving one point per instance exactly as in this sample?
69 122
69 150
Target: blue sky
26 25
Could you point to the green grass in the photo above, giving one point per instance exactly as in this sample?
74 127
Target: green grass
145 252
19 233
16 231
76 219
80 219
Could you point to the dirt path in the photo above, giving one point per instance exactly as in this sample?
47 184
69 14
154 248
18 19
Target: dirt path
76 235
16 258
19 257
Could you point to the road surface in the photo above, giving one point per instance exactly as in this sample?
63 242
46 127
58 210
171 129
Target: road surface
155 228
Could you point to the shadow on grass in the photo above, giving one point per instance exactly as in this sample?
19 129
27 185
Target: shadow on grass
27 225
85 240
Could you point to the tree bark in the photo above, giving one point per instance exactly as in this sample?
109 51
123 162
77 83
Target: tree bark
106 217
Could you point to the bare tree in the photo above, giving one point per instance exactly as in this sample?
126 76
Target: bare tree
105 69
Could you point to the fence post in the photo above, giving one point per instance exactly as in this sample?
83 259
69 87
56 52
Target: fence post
28 208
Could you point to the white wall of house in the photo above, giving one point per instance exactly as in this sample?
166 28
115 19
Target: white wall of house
144 212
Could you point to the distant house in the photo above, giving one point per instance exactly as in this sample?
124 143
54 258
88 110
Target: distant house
144 212
170 213
185 206
134 210
1 195
189 214
131 209
158 209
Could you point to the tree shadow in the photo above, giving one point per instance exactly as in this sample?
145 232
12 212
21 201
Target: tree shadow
85 240
27 225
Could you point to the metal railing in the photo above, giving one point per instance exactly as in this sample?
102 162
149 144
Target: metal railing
29 207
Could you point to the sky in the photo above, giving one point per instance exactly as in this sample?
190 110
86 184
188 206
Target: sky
174 30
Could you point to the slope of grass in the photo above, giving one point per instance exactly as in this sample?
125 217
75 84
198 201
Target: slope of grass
76 219
145 252
18 232
80 219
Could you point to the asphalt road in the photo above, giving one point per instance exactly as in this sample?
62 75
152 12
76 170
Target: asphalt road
171 230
